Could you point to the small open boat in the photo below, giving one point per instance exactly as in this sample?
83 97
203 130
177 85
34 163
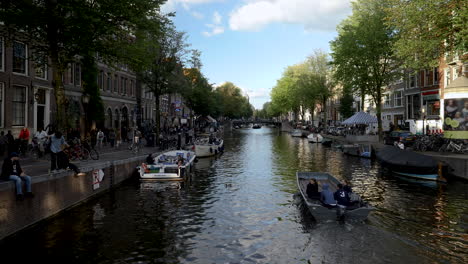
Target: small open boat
171 165
358 150
204 147
410 164
256 126
315 138
297 133
318 210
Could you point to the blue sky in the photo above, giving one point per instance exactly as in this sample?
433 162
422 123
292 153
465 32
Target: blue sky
251 42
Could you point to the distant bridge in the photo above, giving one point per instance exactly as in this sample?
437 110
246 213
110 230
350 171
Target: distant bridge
259 121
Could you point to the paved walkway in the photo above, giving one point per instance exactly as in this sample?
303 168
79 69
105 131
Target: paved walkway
41 166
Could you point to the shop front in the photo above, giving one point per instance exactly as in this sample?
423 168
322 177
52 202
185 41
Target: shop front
455 105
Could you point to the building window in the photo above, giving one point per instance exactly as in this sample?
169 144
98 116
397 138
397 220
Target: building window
109 81
387 101
1 104
19 105
71 74
41 66
77 74
426 77
20 58
122 81
447 77
132 87
116 84
101 80
398 98
412 80
2 59
436 75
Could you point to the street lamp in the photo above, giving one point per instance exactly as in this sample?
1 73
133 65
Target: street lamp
423 111
85 100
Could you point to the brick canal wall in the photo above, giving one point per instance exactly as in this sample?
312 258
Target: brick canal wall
57 192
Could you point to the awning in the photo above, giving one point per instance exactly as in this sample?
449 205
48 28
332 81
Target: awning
360 118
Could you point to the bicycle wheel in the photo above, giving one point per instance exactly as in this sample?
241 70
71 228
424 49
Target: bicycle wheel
84 155
423 147
94 154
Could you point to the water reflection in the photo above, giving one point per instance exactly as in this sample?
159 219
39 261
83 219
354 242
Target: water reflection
240 208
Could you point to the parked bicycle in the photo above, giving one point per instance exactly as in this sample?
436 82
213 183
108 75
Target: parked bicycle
93 153
455 147
135 146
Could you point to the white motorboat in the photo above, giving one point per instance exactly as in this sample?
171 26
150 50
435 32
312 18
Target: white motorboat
203 147
297 133
171 165
315 138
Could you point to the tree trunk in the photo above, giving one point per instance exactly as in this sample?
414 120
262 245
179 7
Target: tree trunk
59 93
363 97
378 106
158 117
325 112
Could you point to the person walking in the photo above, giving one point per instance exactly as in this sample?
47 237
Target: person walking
11 170
3 143
112 137
23 140
99 138
10 142
56 142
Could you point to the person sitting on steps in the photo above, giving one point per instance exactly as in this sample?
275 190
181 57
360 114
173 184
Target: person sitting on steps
11 170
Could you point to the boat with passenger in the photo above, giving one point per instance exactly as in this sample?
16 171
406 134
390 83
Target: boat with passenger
208 146
315 138
322 212
171 165
256 126
410 164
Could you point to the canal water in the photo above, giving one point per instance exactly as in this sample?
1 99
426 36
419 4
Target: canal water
241 208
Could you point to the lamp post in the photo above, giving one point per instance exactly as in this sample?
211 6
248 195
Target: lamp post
85 100
423 111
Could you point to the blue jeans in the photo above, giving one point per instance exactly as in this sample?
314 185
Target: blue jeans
18 180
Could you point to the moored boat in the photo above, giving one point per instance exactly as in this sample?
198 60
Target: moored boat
256 126
315 138
171 165
327 141
204 147
358 150
358 212
410 164
297 133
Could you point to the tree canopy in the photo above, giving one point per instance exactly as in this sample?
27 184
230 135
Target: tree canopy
363 56
428 29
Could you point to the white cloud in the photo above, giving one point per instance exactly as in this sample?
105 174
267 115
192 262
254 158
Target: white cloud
171 5
313 14
216 27
197 15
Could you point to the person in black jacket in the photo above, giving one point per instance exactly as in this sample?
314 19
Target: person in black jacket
11 170
312 189
341 196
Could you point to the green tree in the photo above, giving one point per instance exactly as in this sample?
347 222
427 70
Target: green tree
346 102
157 56
363 54
65 30
428 29
199 96
233 103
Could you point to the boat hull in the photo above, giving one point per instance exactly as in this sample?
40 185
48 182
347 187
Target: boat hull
428 177
166 167
320 212
208 150
315 138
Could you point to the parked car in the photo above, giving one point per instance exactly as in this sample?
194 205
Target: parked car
407 137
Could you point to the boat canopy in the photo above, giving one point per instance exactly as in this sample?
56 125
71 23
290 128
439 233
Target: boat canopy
360 118
399 157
